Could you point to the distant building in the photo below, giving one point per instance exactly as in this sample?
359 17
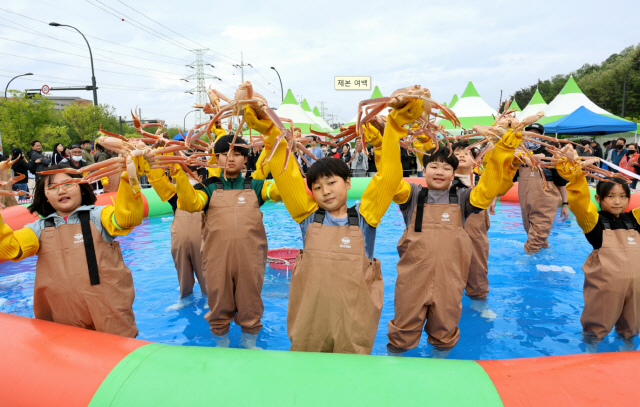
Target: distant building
144 121
63 101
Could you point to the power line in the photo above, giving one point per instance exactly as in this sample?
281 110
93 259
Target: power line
90 36
106 86
83 46
96 59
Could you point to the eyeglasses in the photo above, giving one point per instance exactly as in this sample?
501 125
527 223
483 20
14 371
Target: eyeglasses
63 186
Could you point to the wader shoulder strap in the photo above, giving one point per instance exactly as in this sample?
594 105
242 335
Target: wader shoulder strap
453 192
89 249
247 182
206 183
319 216
49 223
352 213
422 198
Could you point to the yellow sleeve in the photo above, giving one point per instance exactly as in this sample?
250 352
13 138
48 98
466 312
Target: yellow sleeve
403 193
578 195
121 218
261 172
291 183
636 214
384 185
17 245
270 192
493 180
189 199
161 184
215 172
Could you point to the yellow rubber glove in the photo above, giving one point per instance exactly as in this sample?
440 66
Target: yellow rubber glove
161 184
578 195
423 143
121 218
142 166
372 135
403 193
189 199
384 185
213 160
493 180
105 181
264 127
17 245
261 171
270 192
409 113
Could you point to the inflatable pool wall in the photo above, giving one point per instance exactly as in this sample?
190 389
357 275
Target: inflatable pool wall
48 364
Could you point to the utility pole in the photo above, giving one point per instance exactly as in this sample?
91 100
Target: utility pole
322 109
199 77
241 65
121 131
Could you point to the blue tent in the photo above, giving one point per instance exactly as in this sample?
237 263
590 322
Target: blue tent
180 136
584 121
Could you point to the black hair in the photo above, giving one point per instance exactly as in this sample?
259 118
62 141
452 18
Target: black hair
33 143
85 142
15 152
98 146
223 143
40 203
604 187
441 155
55 148
606 143
327 167
463 145
624 140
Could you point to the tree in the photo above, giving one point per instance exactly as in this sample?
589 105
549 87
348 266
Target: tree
84 121
24 119
602 83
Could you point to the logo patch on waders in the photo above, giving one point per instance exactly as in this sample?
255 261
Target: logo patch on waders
345 243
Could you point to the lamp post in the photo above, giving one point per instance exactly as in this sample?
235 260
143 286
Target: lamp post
184 121
93 75
624 87
5 89
281 89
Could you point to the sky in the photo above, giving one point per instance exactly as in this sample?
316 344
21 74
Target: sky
142 48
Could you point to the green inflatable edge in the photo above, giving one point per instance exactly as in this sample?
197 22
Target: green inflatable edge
156 206
169 375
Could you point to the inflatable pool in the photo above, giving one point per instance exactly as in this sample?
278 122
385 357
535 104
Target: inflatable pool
52 364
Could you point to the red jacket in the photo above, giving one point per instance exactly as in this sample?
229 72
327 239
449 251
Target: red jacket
627 163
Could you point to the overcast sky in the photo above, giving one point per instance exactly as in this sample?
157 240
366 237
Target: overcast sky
499 45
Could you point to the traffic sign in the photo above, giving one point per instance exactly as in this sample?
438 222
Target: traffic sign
45 89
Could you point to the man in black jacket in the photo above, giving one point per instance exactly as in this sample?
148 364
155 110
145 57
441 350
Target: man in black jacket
37 161
75 161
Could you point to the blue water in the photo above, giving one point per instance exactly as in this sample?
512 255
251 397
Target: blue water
537 299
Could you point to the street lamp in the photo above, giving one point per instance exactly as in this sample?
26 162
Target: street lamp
624 87
93 75
281 89
184 121
5 89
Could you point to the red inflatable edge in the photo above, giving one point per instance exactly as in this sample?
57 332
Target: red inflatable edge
53 364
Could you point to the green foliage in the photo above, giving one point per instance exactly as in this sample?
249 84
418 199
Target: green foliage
24 119
602 83
84 121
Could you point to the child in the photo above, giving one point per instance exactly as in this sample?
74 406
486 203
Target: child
336 289
539 205
477 226
611 272
81 279
234 243
435 251
186 236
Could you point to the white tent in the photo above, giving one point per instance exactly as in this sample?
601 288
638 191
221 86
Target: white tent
314 120
290 109
536 104
471 109
568 101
